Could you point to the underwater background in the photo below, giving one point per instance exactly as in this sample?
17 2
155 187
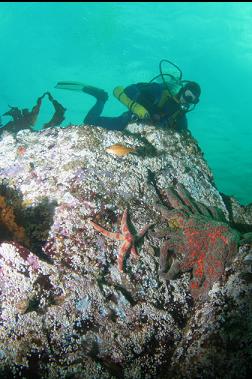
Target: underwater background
110 44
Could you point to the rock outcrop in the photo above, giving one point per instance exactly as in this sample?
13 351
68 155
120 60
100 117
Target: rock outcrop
66 310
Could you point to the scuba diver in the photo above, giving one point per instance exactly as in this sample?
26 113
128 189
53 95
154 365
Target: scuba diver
164 101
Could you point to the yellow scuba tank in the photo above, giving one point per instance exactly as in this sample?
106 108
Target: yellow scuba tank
134 107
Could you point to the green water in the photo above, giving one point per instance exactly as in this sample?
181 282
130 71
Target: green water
110 44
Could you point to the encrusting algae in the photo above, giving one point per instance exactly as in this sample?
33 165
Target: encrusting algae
7 218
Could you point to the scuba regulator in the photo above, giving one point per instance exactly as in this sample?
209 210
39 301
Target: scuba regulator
176 86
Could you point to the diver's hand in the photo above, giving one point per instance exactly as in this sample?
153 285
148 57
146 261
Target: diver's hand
140 111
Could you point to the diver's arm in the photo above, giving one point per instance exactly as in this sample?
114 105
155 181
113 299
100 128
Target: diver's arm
132 105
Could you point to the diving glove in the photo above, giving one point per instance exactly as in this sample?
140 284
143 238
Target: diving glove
134 107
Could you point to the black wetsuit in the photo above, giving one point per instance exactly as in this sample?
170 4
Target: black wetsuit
148 95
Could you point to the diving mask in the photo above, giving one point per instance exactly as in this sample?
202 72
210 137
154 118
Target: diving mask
188 97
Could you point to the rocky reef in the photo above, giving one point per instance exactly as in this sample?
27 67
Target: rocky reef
119 258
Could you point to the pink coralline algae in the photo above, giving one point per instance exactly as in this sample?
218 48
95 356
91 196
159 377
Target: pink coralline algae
197 240
27 283
18 258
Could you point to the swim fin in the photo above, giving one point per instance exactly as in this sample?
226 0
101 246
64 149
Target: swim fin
100 94
73 86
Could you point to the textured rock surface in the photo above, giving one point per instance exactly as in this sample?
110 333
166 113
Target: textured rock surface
66 311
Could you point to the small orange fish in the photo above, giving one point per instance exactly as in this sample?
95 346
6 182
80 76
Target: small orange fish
120 150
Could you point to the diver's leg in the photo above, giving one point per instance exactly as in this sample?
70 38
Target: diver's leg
94 112
112 123
98 93
93 117
101 98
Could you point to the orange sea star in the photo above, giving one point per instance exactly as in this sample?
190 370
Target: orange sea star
129 240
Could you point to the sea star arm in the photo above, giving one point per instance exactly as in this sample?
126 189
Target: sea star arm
197 207
165 258
114 236
173 198
124 225
144 230
133 251
187 199
123 250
